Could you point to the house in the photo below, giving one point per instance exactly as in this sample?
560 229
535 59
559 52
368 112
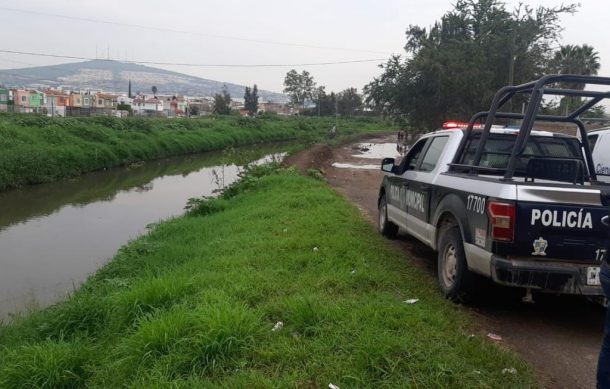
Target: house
4 99
105 101
200 105
21 100
88 100
148 107
37 100
55 102
76 100
124 106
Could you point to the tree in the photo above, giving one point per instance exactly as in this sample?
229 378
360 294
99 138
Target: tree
325 102
194 110
129 90
254 102
123 107
349 102
154 91
574 59
300 87
222 102
251 100
457 65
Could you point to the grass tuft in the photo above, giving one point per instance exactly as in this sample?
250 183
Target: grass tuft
48 364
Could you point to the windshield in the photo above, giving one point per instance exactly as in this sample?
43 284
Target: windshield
499 147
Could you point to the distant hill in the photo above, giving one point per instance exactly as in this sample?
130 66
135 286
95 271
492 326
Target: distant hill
114 76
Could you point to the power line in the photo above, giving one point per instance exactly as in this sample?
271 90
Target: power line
194 64
215 36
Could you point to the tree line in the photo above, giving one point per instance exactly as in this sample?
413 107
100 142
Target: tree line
304 93
302 89
453 69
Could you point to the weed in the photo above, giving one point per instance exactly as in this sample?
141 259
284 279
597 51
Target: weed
48 364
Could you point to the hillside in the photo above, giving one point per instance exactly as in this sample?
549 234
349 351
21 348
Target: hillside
114 76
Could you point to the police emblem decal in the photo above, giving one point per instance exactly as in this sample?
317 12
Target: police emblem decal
540 246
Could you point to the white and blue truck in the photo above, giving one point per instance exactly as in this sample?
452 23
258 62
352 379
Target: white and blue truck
521 207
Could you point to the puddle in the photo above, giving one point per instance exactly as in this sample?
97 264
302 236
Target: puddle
352 166
376 150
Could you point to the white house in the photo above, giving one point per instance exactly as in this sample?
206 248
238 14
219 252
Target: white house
149 107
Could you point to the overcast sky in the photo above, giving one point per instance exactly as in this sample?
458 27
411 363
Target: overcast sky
375 27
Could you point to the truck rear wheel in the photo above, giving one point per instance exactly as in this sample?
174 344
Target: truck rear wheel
455 280
386 227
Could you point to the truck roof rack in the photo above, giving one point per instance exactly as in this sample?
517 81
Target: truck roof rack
547 85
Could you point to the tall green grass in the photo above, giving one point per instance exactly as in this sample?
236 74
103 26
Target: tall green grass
36 149
193 303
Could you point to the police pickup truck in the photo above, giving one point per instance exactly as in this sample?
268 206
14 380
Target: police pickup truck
518 206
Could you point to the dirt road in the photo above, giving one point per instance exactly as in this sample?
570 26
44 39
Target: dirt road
560 336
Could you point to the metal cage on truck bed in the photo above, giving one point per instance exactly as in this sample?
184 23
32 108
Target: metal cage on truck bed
537 90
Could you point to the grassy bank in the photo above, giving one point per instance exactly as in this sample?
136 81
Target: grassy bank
38 149
193 304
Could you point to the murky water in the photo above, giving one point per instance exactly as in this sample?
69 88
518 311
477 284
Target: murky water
52 236
367 152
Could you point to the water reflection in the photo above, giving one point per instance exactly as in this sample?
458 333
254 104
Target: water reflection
53 235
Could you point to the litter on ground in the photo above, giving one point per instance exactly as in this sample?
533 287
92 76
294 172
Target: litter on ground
278 326
495 337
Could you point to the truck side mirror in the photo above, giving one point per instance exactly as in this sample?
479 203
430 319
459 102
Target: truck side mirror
387 165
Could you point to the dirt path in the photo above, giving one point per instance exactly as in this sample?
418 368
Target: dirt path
559 336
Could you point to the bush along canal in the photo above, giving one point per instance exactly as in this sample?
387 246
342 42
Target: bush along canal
53 235
277 283
37 149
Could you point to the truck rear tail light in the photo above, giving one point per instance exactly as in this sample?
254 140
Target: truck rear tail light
502 218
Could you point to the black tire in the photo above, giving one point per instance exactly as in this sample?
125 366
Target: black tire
386 227
454 278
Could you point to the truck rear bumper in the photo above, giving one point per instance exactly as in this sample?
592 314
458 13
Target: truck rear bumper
567 278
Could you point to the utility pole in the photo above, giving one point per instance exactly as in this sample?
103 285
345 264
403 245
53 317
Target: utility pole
511 65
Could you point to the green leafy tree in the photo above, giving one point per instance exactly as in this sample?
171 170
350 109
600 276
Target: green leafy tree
251 100
453 69
194 110
123 107
326 103
300 87
154 90
349 102
574 59
222 102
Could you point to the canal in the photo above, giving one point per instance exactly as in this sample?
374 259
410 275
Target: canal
52 236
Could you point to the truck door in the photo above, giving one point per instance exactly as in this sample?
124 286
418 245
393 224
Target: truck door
397 199
419 191
600 150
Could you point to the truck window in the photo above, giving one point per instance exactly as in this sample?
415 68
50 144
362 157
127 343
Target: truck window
592 141
499 147
434 153
410 160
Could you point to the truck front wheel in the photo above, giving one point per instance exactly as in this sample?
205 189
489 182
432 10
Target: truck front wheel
456 281
386 227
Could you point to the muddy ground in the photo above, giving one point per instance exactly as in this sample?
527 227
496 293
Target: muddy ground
560 336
